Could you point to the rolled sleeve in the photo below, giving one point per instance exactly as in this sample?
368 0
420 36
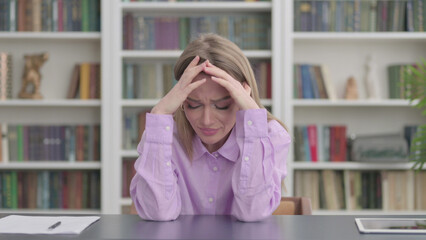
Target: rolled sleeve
159 128
252 123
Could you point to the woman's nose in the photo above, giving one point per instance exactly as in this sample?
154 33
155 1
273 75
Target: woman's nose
207 115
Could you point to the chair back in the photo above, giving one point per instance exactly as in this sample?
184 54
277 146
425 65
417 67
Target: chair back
294 206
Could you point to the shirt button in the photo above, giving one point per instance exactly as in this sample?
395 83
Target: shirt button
210 200
168 164
249 122
246 158
215 169
167 128
216 154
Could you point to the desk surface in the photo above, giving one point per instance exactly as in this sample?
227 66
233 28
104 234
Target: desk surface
224 227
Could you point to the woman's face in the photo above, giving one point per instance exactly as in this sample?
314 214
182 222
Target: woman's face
211 112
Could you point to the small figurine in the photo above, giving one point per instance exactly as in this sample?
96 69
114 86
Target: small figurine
32 76
351 91
371 79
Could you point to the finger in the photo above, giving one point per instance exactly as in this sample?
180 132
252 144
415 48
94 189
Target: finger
191 87
191 73
194 62
247 88
218 72
223 83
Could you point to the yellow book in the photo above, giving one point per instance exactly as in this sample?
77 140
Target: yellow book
84 80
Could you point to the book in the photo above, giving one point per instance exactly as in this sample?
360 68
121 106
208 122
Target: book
5 76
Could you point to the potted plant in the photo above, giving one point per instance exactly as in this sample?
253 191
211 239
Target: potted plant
415 78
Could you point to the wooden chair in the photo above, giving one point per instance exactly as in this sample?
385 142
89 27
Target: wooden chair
294 206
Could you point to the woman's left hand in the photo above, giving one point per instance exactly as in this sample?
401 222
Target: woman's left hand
239 92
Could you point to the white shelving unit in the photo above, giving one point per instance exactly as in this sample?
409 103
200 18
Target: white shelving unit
65 49
177 9
345 53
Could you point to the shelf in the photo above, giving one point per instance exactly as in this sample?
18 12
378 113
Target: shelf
174 54
51 35
368 212
363 36
50 103
126 201
351 166
49 211
153 102
50 165
197 7
352 103
129 153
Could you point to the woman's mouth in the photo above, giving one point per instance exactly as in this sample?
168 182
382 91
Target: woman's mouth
209 131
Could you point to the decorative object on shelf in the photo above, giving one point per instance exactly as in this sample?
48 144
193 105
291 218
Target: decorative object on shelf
5 76
370 79
32 76
351 91
415 77
379 148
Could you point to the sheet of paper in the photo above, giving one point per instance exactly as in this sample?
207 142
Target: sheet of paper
40 224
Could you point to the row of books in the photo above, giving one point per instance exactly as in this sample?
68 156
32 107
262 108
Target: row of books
85 82
50 190
320 143
250 31
313 81
398 87
21 143
133 127
354 189
50 15
147 80
5 76
128 171
359 15
154 80
195 0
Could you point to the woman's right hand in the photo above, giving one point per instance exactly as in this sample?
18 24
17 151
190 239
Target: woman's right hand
178 94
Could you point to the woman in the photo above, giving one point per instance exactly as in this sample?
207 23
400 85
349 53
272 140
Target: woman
209 146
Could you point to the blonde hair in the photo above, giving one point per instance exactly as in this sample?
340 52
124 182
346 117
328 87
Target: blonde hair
224 54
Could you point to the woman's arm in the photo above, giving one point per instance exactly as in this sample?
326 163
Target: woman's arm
257 177
154 189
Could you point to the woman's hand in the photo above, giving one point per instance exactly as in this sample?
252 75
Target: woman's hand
175 97
239 92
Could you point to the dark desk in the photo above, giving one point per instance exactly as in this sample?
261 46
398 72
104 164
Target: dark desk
224 227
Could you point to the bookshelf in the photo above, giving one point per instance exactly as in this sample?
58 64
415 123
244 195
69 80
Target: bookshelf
345 54
182 9
65 49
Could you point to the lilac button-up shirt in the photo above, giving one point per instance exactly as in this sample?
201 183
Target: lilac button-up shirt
242 178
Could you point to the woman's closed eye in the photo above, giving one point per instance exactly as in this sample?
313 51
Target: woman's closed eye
193 106
222 106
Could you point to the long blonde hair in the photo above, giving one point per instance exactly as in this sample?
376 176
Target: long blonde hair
224 54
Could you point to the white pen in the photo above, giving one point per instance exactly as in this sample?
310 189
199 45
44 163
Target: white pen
54 225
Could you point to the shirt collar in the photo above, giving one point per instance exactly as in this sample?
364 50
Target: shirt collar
229 150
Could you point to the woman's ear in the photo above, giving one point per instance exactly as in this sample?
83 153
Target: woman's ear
247 88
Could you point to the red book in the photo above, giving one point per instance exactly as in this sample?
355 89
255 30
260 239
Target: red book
313 145
60 16
268 80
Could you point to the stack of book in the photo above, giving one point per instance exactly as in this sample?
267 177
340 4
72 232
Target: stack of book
85 81
313 81
399 190
318 143
252 31
128 167
50 189
147 80
5 76
359 15
50 143
50 15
